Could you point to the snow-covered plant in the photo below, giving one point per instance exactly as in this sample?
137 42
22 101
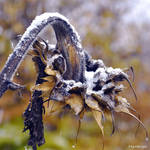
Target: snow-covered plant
66 76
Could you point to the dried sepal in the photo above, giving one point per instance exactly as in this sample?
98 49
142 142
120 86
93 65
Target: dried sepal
113 123
92 103
49 78
81 115
127 79
78 129
50 71
96 96
122 102
45 95
76 103
54 106
98 117
41 46
45 86
123 107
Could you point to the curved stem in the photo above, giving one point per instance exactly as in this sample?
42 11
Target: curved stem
62 29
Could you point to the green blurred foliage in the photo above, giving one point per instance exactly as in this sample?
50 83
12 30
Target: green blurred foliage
60 131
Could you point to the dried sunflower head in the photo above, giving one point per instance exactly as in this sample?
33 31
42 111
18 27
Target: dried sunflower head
99 91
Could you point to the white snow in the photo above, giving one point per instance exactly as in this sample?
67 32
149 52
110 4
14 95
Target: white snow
101 74
51 60
51 46
46 16
113 71
89 75
107 86
101 63
43 20
119 87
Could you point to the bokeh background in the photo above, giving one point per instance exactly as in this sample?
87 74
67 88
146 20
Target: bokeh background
116 31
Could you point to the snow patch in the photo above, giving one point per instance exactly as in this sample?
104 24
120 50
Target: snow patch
113 71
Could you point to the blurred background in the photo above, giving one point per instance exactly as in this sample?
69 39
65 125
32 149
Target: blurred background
116 31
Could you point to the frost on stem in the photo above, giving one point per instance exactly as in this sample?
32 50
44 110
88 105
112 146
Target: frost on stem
65 34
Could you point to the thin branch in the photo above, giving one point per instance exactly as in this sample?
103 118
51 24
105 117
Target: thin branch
63 29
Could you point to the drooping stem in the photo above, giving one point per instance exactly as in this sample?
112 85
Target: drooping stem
62 28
